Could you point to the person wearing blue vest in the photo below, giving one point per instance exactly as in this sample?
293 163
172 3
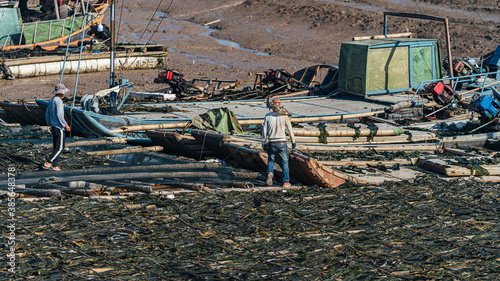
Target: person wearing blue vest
54 116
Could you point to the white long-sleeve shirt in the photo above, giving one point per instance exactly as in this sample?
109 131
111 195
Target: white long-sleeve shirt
274 128
54 116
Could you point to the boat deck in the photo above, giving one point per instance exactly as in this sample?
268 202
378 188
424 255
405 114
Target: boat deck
256 109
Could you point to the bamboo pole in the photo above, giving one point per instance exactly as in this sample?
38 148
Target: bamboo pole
118 170
147 175
97 142
144 188
365 163
402 147
126 150
125 129
36 192
350 132
362 140
395 35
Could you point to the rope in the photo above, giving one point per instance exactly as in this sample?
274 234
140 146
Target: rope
475 10
203 145
71 122
81 50
69 41
120 22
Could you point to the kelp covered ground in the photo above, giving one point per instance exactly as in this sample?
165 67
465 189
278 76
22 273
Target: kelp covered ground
424 229
21 148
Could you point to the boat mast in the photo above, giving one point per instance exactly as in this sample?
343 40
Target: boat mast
112 82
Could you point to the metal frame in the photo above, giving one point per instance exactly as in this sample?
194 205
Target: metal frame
425 17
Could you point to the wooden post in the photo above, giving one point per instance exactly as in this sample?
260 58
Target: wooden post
56 9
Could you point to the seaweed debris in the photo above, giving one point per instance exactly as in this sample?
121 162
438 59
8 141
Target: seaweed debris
424 229
370 154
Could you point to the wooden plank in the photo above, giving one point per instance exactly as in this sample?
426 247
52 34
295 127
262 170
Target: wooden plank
441 166
365 163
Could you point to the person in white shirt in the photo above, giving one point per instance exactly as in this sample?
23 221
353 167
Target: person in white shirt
274 139
54 116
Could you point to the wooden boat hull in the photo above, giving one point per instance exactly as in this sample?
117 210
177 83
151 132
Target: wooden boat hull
90 124
178 144
49 34
302 168
477 140
24 114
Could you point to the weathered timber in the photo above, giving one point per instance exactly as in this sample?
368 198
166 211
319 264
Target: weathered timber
442 167
126 150
365 163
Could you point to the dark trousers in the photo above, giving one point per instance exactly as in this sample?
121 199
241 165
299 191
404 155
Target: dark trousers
58 142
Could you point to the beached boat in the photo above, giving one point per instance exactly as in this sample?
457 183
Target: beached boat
369 98
24 113
51 30
302 168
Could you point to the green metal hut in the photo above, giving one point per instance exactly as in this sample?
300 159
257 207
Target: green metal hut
387 66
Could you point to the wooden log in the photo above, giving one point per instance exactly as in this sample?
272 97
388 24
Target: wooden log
442 167
126 150
365 163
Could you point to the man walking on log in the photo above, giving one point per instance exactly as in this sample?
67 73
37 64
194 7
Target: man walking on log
274 139
54 116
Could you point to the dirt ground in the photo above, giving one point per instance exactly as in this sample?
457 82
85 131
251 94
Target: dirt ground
264 34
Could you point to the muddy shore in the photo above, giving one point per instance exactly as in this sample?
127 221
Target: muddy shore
253 36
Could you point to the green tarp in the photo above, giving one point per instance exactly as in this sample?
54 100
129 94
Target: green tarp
221 120
56 27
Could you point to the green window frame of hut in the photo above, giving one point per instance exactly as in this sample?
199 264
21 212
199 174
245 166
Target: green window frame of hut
401 67
388 68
